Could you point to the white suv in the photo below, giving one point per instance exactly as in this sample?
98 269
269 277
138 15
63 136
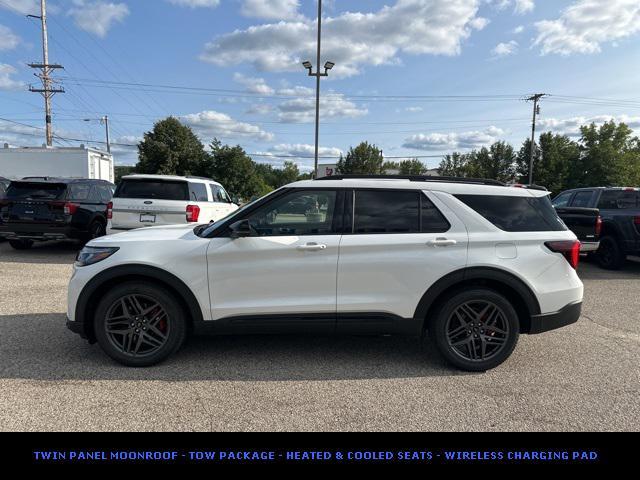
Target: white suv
149 200
471 263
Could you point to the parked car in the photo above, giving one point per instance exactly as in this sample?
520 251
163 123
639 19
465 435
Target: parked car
586 223
4 183
619 209
471 263
152 200
45 208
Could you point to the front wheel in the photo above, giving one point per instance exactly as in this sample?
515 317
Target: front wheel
475 330
139 324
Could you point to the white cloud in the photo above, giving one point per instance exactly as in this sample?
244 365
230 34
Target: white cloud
585 25
6 82
8 39
253 85
271 9
352 40
524 6
22 6
196 3
302 110
505 49
518 29
97 17
413 109
453 140
571 126
300 153
259 109
209 124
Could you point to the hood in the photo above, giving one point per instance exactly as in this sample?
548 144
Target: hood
167 232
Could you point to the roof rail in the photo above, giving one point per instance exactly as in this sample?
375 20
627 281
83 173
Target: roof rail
417 178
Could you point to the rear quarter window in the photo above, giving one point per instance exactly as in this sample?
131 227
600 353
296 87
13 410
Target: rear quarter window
516 214
619 200
153 189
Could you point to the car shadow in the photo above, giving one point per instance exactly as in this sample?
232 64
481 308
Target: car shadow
589 270
39 347
58 253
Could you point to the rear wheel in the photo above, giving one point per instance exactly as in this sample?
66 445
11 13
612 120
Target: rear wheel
476 330
96 230
610 255
21 244
139 324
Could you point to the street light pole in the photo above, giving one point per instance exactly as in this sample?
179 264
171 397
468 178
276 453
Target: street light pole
536 110
103 121
327 66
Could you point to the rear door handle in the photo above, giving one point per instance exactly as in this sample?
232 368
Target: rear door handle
312 247
442 242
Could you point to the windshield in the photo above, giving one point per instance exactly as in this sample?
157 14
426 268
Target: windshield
33 190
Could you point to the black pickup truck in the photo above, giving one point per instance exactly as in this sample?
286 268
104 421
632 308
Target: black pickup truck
619 224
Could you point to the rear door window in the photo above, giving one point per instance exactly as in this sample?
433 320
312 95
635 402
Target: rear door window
582 199
80 192
36 191
153 189
619 200
198 192
516 214
562 200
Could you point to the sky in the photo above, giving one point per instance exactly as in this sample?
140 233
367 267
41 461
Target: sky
418 78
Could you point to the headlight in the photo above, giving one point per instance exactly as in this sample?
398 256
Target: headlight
91 255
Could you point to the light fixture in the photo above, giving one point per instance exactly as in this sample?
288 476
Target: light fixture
329 65
307 65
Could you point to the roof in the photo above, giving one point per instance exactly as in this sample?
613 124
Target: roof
141 176
59 180
457 188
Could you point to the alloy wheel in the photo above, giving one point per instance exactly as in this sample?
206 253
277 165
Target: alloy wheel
477 330
137 325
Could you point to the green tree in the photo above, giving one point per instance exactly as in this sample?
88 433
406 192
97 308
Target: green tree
412 167
122 170
610 155
454 165
554 158
171 148
496 162
363 159
234 169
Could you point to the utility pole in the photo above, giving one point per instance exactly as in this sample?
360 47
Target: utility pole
46 69
536 111
103 121
327 66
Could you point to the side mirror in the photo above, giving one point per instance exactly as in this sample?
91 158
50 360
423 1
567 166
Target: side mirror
241 229
235 200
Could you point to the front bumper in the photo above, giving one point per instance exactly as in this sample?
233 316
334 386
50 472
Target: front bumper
77 327
550 321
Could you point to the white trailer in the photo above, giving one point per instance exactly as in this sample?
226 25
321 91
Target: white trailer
65 162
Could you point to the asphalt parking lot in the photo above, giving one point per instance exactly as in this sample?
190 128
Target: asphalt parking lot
583 377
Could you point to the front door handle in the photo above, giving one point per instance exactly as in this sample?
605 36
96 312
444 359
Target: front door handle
312 247
442 242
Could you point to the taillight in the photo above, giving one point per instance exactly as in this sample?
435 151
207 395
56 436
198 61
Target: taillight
569 248
636 220
70 208
193 212
109 210
598 225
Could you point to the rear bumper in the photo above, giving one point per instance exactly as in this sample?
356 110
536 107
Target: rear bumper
38 232
586 247
551 321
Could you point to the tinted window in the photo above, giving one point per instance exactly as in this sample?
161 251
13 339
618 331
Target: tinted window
105 193
198 192
582 199
79 191
516 214
162 190
28 190
383 211
562 200
219 194
432 220
298 213
619 199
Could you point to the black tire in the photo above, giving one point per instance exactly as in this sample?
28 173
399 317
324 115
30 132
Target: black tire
490 347
21 244
97 229
117 336
610 255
